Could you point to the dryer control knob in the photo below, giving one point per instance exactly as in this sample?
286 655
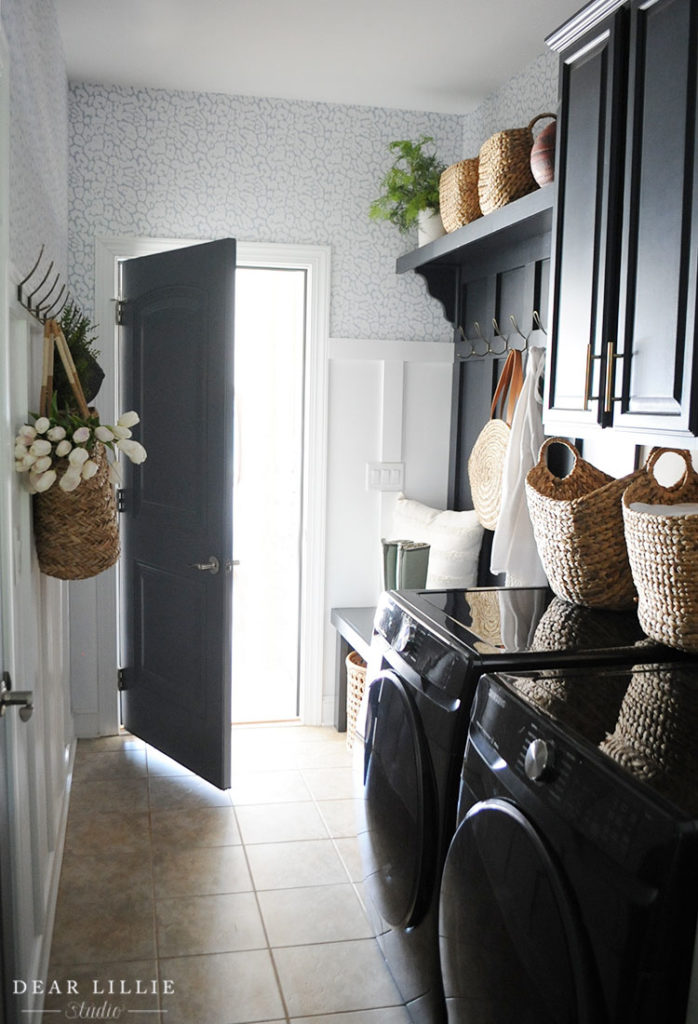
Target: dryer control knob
538 760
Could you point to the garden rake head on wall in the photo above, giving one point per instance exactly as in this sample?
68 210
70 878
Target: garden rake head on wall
36 301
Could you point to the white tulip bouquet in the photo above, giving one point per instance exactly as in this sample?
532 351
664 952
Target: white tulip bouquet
63 443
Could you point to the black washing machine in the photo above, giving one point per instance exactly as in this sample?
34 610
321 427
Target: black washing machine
428 652
570 890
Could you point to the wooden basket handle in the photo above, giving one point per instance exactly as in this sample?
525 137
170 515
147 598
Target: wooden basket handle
54 334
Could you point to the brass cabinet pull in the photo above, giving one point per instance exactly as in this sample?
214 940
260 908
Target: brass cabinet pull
587 379
608 403
611 356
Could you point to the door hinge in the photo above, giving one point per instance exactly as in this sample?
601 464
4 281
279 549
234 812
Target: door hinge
119 311
121 677
120 499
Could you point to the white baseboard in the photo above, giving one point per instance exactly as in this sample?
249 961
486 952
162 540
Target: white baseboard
86 724
55 877
328 710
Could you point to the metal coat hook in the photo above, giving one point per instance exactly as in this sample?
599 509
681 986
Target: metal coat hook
498 334
465 338
482 338
521 334
41 307
537 321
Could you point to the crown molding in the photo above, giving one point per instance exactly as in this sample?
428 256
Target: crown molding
581 23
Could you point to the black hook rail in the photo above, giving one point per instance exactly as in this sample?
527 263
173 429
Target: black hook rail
499 344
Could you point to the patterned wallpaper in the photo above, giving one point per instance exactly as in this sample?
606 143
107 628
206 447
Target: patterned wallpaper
532 92
39 134
195 165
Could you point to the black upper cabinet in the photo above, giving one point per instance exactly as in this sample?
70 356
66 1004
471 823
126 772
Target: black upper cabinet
625 233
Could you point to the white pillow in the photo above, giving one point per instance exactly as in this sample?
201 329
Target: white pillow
454 539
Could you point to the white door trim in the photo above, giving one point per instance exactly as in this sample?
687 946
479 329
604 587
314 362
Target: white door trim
316 260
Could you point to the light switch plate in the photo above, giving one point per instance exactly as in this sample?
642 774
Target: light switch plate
385 476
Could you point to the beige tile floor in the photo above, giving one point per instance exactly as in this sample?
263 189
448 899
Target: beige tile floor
247 903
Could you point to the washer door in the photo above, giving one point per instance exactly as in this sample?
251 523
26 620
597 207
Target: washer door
400 805
512 946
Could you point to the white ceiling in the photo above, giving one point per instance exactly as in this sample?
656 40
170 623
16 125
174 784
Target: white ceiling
437 55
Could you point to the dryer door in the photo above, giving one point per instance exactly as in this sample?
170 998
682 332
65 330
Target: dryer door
400 805
512 946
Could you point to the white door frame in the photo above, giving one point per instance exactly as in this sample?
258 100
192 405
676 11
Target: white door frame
315 260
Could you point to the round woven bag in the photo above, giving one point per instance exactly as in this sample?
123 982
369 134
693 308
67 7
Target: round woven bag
486 468
77 532
486 462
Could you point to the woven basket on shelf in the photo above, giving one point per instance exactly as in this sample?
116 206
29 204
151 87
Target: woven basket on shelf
505 166
356 681
77 533
459 202
663 553
578 526
654 737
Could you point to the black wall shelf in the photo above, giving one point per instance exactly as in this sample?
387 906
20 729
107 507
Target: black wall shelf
514 236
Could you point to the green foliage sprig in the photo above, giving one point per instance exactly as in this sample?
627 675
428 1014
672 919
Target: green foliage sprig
410 185
80 334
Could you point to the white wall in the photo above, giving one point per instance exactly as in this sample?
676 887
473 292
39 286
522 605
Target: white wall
389 402
35 614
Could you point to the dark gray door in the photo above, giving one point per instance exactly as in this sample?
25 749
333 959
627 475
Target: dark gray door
176 566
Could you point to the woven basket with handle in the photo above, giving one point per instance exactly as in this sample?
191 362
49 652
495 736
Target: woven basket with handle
459 201
663 553
76 533
505 166
578 525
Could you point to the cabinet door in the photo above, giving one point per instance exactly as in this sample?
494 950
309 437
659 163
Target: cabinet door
657 327
591 129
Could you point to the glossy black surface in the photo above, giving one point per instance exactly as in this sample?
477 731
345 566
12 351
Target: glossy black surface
501 629
429 650
623 266
592 864
496 964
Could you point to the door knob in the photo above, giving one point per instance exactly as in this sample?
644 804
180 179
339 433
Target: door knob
24 699
212 566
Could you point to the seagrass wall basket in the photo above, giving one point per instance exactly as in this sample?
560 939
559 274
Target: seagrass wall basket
77 533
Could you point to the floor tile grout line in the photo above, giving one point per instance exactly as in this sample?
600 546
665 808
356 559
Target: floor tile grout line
156 929
277 976
289 766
